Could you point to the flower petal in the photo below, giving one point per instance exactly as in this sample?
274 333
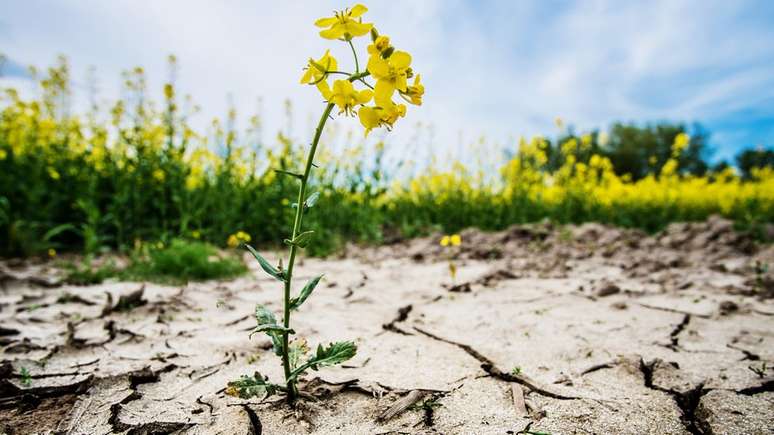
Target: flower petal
328 61
383 92
307 77
358 29
326 22
335 32
369 117
400 83
378 67
325 90
364 96
400 60
358 10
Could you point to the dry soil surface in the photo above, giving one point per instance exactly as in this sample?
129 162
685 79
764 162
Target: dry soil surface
559 330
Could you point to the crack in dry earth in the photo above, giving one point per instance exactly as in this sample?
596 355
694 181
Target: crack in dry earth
144 358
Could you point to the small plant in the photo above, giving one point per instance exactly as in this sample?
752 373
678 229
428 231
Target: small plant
391 68
760 371
452 242
516 371
26 378
426 405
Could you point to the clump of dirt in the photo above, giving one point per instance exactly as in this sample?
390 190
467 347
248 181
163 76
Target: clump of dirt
32 414
559 329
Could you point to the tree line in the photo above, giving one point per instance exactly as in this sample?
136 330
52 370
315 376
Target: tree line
641 150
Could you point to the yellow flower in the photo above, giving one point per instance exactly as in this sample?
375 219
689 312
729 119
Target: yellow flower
453 240
415 92
682 141
373 117
243 236
586 141
346 97
238 238
169 91
52 252
390 74
392 112
317 71
343 24
381 44
196 234
158 175
192 182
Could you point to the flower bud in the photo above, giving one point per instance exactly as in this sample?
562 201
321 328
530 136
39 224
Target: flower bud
388 52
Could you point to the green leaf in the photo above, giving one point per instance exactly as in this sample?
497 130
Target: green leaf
53 232
312 200
268 324
270 329
252 386
301 240
305 292
335 353
268 268
292 174
264 316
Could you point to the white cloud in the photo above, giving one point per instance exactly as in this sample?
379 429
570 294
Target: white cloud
501 69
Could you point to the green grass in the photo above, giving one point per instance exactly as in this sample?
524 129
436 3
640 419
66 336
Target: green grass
86 273
184 261
179 262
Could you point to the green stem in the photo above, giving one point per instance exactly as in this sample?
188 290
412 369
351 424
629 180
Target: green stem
292 392
359 76
357 66
290 376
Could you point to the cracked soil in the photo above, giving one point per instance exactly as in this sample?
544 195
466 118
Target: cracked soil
575 330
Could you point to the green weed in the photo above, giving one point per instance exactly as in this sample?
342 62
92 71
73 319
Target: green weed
26 378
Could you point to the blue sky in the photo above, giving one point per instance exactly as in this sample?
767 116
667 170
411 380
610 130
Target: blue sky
498 69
